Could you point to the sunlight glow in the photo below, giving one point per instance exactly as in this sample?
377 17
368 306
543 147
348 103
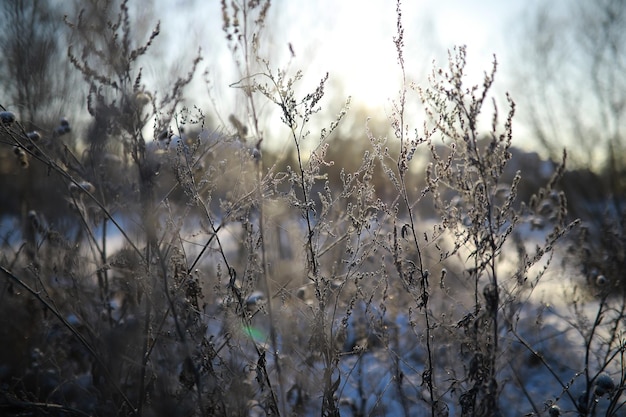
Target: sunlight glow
353 41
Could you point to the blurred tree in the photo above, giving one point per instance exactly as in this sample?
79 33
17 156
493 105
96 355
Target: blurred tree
34 74
571 64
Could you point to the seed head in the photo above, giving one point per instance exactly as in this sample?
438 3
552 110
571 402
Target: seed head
22 157
604 384
34 136
7 117
63 128
85 186
142 98
554 411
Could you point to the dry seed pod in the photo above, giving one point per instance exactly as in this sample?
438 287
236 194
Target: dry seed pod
7 117
87 186
142 98
63 128
84 185
22 157
35 136
554 411
604 384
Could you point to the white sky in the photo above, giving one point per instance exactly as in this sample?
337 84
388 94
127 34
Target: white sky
355 38
353 41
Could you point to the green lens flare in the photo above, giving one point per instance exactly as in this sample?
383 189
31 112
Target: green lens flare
256 334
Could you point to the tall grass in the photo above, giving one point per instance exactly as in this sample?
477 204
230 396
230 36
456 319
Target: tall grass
194 272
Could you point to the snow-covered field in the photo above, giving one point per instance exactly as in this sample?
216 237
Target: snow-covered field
382 355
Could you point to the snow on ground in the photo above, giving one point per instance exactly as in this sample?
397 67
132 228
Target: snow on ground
387 379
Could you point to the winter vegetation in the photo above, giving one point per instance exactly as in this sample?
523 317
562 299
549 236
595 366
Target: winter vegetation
157 259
